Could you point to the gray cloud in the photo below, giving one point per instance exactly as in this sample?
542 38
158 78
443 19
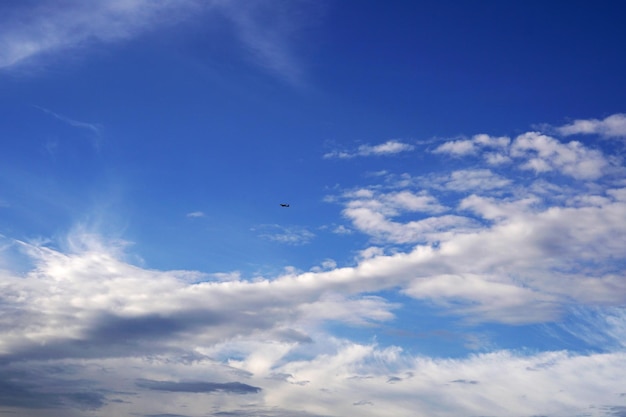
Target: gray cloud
197 387
616 411
165 415
526 258
34 389
265 413
464 381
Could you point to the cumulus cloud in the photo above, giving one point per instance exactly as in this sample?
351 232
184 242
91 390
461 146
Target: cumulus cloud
463 147
456 148
532 151
472 179
82 327
543 153
372 212
613 126
390 147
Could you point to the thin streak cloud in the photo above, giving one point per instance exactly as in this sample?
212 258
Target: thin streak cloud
94 128
390 147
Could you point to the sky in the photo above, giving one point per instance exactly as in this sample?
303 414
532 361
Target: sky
454 244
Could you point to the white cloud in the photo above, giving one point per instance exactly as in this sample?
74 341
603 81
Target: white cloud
604 327
195 214
534 151
527 264
326 265
492 141
49 27
463 147
290 235
491 208
485 298
457 148
359 311
268 30
32 32
486 247
387 148
94 128
371 212
526 242
494 158
342 230
613 126
544 153
501 383
78 296
472 179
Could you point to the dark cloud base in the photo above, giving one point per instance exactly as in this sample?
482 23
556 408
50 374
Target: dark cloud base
197 387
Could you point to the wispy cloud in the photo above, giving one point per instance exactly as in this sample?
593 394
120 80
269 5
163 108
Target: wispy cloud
390 147
502 244
268 29
94 128
290 235
34 32
195 214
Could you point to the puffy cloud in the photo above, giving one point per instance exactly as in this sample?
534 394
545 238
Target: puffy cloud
457 148
372 212
543 153
463 147
613 126
92 311
533 151
472 179
90 303
82 327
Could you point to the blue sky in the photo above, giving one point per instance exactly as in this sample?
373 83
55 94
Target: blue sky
454 244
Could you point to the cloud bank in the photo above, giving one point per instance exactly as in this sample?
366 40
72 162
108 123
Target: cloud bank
535 240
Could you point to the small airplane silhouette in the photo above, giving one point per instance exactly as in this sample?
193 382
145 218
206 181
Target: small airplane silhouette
284 205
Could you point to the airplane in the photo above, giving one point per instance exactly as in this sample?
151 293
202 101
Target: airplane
284 205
